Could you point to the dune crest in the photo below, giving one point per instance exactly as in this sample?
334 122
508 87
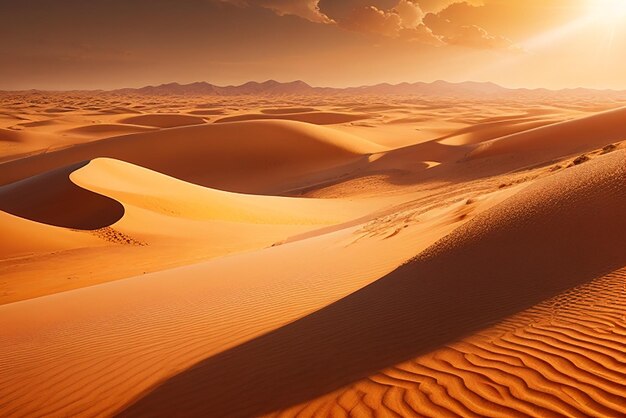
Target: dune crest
317 118
52 198
249 157
149 190
163 120
560 139
571 223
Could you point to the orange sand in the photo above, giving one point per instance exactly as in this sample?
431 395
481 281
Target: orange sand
312 256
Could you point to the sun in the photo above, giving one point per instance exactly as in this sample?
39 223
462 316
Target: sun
611 10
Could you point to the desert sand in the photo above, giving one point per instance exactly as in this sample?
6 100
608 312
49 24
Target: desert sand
312 255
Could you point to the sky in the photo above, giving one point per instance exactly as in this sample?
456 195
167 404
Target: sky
105 44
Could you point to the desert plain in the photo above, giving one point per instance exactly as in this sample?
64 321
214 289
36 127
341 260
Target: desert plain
327 254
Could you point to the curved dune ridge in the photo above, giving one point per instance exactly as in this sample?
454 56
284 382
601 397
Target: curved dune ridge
563 231
138 187
166 223
484 131
287 110
559 139
317 118
53 198
18 136
163 120
110 129
249 157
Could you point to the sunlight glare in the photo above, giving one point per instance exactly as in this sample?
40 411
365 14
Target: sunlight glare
612 10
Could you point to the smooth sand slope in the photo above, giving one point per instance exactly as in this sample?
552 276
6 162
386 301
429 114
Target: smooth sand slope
317 118
163 120
179 317
257 156
560 139
28 237
557 234
112 210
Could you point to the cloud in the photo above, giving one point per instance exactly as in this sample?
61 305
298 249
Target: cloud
306 9
410 13
370 19
445 22
420 34
404 20
451 26
435 6
476 37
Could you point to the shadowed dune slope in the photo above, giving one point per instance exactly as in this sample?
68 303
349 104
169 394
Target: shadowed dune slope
163 120
107 129
562 357
563 231
249 157
145 189
560 139
317 118
287 110
52 198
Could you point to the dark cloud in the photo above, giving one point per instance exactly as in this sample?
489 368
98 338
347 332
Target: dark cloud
455 31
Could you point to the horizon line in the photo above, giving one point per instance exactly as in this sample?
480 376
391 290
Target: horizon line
271 80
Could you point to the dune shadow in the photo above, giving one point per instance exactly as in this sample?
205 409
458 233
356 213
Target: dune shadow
316 118
53 199
494 266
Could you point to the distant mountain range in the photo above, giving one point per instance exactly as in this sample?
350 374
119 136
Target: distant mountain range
294 88
275 88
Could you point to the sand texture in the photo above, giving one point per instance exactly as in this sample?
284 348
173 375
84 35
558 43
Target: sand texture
318 255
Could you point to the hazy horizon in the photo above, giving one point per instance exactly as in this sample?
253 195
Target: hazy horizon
338 87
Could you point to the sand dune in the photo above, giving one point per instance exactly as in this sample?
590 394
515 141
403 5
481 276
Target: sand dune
287 110
187 313
492 129
561 139
563 357
138 187
163 218
425 302
318 118
252 157
103 130
163 120
52 198
422 256
14 142
30 237
207 112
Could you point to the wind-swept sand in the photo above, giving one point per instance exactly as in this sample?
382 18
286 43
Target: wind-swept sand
472 277
412 257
